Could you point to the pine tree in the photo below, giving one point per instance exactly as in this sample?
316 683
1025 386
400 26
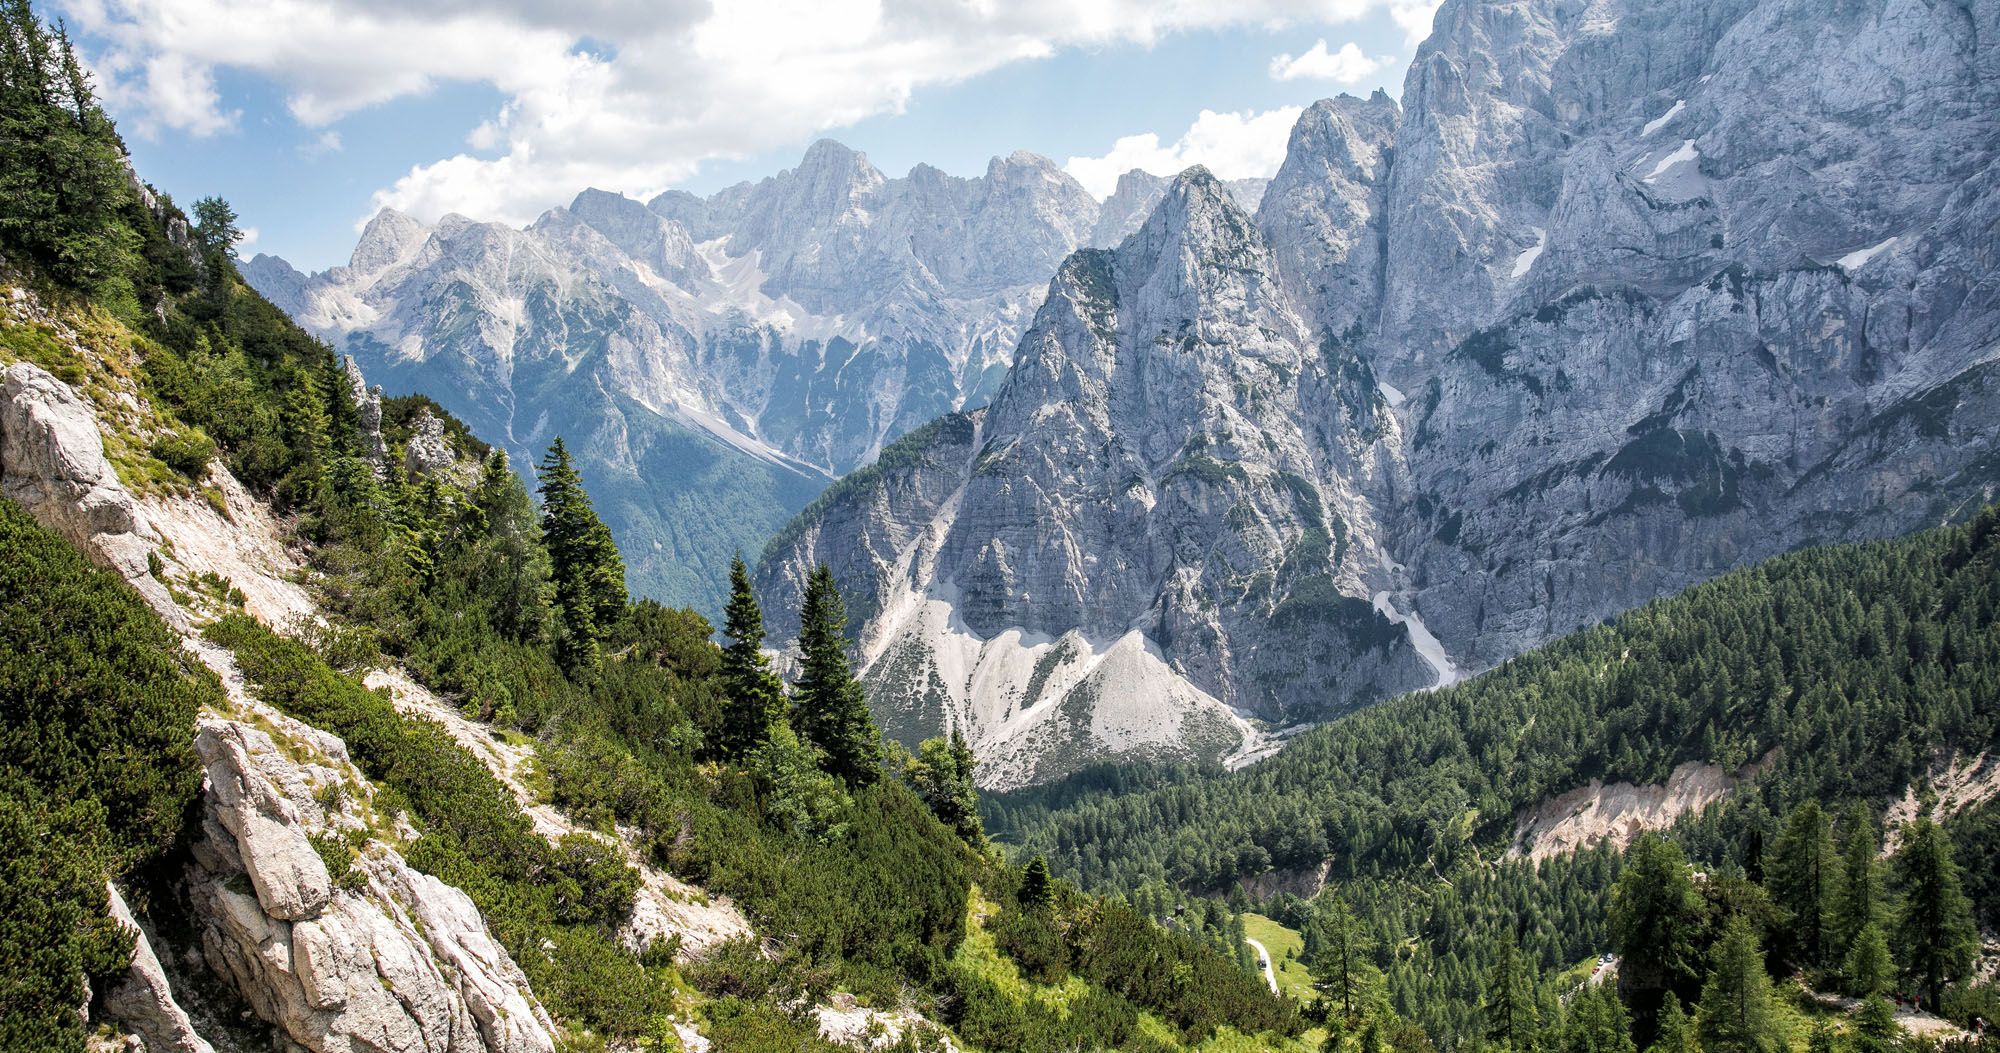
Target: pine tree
1037 888
1934 936
1875 1027
828 706
589 574
1510 1000
1346 980
1858 900
1739 1012
753 696
1801 877
215 226
63 179
1656 919
1677 1030
941 774
1596 1022
1869 968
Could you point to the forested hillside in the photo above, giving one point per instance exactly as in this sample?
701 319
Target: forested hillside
863 869
1854 673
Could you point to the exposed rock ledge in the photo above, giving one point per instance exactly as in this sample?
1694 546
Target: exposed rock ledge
52 462
1620 811
399 960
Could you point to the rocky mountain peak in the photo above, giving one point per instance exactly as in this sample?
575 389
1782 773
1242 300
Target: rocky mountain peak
1197 233
830 177
389 238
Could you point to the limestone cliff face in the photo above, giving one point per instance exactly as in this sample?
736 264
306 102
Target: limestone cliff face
1624 295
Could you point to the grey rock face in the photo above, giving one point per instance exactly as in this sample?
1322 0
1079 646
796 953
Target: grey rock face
1629 294
429 450
713 361
52 462
142 999
1095 564
401 961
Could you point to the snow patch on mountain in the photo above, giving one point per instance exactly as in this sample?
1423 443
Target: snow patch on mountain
1859 258
1660 122
1525 262
1427 646
1680 156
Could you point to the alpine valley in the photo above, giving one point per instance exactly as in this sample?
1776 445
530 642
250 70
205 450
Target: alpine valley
1524 578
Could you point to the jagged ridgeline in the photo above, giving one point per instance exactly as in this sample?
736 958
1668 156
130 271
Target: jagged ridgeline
374 753
1494 813
1613 298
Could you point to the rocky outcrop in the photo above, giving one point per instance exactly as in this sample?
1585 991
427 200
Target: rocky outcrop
52 463
429 451
384 957
143 999
1625 295
1174 479
367 956
368 411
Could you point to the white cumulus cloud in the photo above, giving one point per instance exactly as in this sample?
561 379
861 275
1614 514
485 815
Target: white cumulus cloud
1415 16
1231 145
631 95
1349 65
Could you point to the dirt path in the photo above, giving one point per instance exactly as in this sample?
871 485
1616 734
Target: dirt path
1264 959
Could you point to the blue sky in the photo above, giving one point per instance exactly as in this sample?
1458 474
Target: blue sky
310 114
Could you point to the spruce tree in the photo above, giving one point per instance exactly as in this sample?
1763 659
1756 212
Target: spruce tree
753 696
1676 1030
589 574
63 179
941 774
1875 1027
1347 982
1858 899
1739 1012
1510 1000
1801 877
215 226
1037 888
1869 969
1934 935
1596 1022
1656 919
828 707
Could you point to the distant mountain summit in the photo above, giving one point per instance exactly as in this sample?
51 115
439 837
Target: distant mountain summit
714 361
1624 295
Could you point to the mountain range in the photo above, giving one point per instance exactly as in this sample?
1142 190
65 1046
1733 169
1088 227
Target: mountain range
715 361
1620 296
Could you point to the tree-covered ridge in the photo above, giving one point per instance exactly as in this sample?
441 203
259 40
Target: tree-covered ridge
1850 665
1855 669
